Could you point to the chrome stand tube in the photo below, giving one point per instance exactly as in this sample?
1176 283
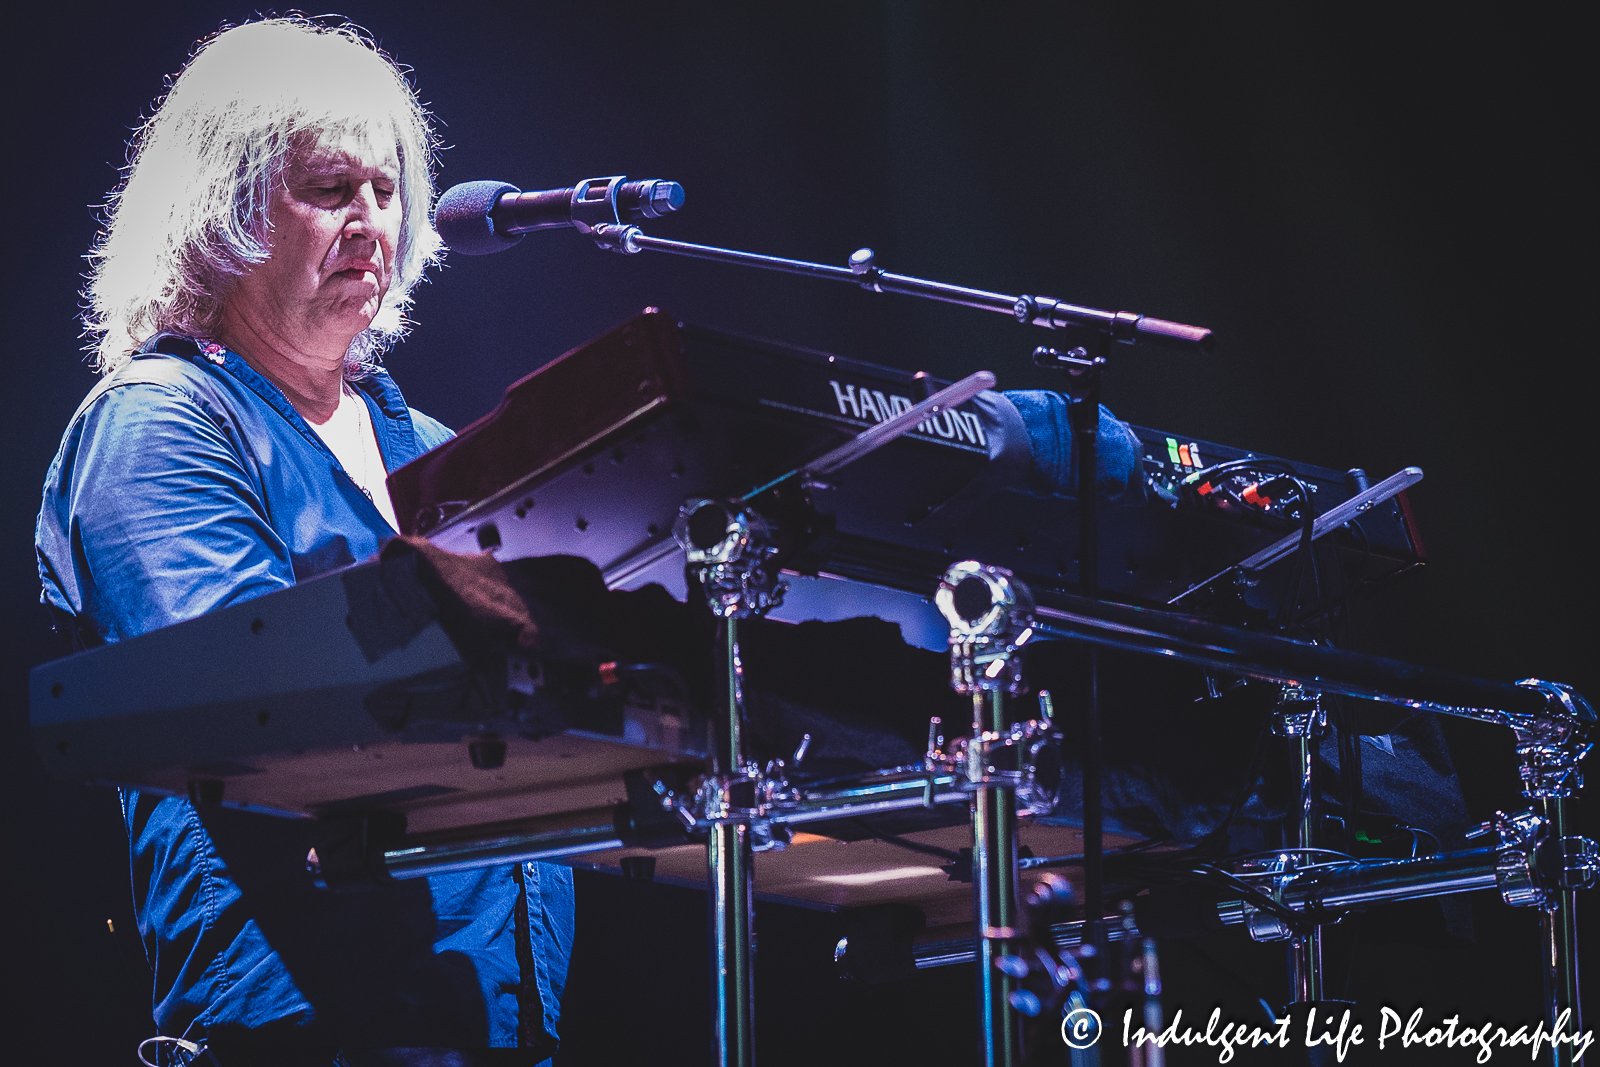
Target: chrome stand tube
573 833
728 862
1359 884
728 756
1305 967
1141 1055
730 867
1306 831
1305 951
1300 717
539 837
1559 927
994 882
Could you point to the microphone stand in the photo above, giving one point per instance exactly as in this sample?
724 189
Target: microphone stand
1084 371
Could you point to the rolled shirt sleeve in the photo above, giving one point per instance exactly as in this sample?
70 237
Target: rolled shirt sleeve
165 518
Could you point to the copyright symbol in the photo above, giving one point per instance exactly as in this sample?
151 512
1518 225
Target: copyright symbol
1080 1028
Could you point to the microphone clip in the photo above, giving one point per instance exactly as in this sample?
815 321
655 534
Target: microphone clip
594 204
596 210
1081 359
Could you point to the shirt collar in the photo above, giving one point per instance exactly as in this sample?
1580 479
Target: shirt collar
397 438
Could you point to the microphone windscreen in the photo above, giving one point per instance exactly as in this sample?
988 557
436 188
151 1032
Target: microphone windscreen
462 218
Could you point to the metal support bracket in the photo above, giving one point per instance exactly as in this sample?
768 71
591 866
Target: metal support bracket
1299 712
728 549
1533 864
991 616
1551 745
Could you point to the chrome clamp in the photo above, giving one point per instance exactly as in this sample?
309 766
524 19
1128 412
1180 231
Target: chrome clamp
755 797
1299 712
1518 838
1263 925
1531 865
991 616
1024 757
733 797
729 550
1574 862
1551 746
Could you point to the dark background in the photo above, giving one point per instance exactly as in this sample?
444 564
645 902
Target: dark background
1378 213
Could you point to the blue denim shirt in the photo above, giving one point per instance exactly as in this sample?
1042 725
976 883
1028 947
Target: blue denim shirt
186 482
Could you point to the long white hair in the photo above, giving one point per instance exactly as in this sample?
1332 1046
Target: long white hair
191 215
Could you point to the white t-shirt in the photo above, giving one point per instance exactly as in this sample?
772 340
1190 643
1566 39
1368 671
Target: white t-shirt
350 436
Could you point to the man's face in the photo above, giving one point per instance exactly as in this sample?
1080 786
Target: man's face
335 224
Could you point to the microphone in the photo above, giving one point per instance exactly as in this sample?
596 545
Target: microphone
477 218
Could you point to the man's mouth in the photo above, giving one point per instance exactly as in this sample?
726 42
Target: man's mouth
357 271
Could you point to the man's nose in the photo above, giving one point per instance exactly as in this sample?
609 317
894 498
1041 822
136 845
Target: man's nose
360 213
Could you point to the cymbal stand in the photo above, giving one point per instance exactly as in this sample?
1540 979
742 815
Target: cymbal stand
989 613
727 553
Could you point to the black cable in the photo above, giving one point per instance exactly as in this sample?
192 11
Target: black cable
1290 601
1234 466
1308 518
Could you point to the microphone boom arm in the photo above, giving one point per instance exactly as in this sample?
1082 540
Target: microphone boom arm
1124 326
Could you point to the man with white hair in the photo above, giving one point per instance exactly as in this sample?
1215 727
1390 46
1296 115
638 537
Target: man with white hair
255 263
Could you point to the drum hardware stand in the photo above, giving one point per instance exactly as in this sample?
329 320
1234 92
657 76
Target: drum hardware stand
728 554
1084 368
1301 716
989 613
1512 864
